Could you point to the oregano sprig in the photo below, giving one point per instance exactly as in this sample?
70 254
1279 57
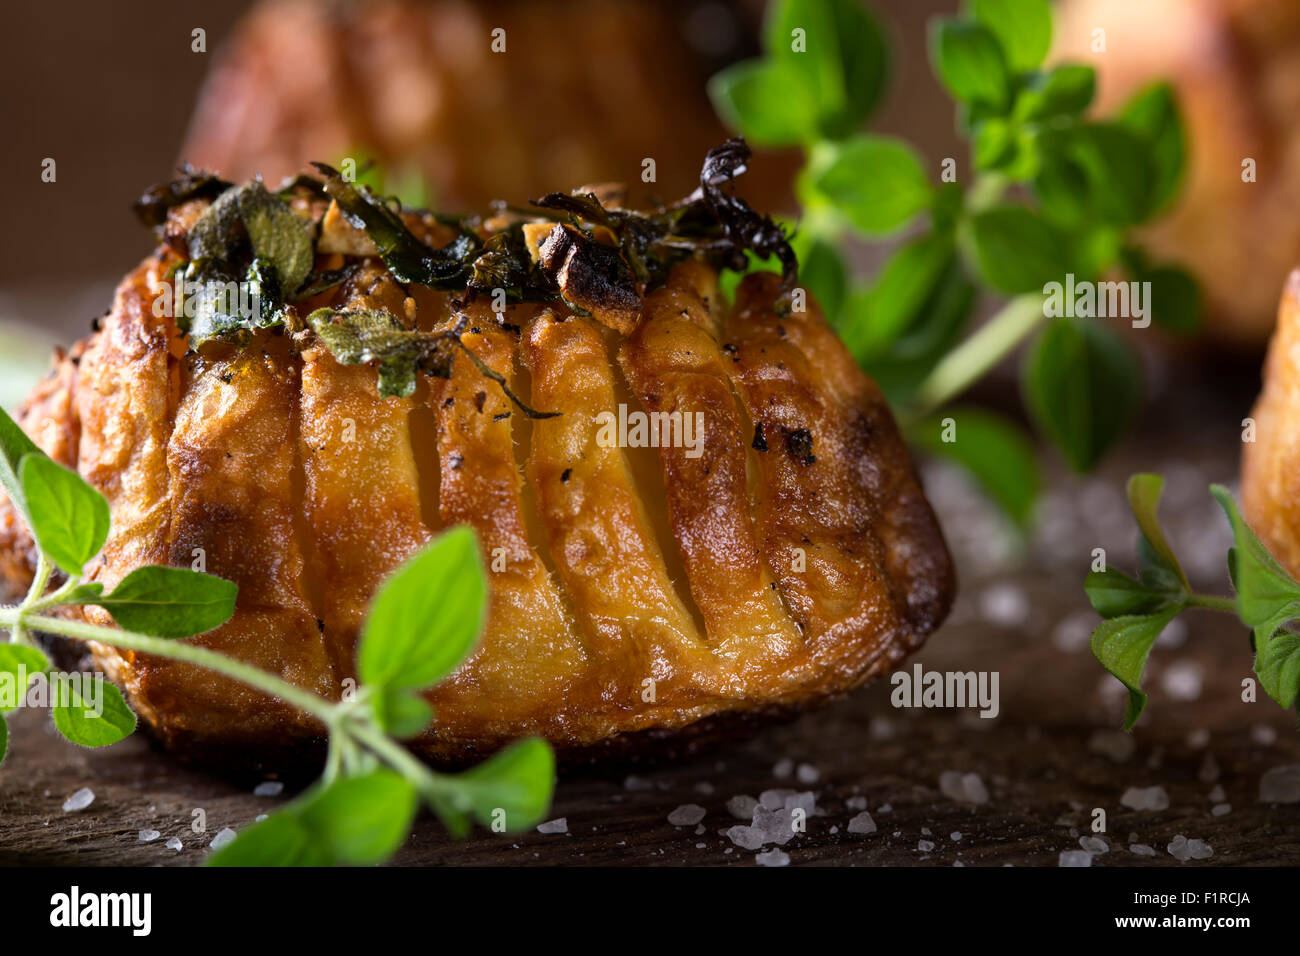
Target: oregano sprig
1136 610
1052 193
422 624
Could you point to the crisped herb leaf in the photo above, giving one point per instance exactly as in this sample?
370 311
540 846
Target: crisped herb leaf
157 201
364 336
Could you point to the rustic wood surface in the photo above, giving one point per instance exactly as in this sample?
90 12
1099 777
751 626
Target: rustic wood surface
1047 759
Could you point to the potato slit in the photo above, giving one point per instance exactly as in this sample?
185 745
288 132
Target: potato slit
646 472
422 426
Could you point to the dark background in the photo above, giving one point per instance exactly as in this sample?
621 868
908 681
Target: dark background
107 89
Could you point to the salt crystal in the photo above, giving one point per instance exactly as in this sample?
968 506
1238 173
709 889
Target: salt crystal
260 817
1198 739
862 823
1209 771
747 838
701 846
1145 798
698 830
704 787
1075 858
1115 744
634 782
1179 850
775 799
772 858
742 806
806 801
881 728
560 825
1141 849
1182 680
925 846
783 768
834 830
1199 850
925 831
955 836
268 788
1174 634
79 800
225 836
856 803
964 788
1004 605
687 815
1263 734
1071 635
773 826
885 808
807 773
1221 809
1217 795
148 836
174 844
1278 785
1094 845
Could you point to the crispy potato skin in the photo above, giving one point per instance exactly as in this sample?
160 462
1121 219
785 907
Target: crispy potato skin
1270 465
634 591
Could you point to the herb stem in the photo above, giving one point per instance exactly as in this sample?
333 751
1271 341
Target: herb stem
40 580
962 367
20 618
1213 602
426 782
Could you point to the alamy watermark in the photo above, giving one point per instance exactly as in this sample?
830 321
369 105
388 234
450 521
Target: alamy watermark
946 689
638 429
19 688
1098 300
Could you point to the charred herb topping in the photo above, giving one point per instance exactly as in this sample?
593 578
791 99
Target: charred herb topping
596 260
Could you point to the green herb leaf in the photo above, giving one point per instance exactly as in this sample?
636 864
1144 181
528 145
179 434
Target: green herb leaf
1277 663
402 714
69 518
876 182
969 61
1080 384
1113 593
14 447
1122 645
994 450
279 840
167 602
1154 116
881 313
110 722
1265 592
764 101
18 665
1175 295
426 618
1095 172
1023 27
1144 491
821 272
518 781
842 61
1016 251
1064 91
362 820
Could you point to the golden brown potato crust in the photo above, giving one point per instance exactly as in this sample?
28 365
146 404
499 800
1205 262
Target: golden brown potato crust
1270 464
794 557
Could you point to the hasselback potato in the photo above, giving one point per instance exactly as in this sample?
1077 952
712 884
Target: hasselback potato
773 550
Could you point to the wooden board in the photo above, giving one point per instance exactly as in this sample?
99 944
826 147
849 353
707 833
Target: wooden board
1021 614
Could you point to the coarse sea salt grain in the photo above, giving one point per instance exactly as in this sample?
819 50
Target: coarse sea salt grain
783 768
1183 849
1141 849
225 836
775 799
963 787
1182 680
1094 845
807 773
1004 605
1074 858
687 815
772 858
148 836
1217 795
1221 809
856 803
174 844
924 846
955 836
862 823
559 825
79 800
1114 744
268 788
742 806
1145 798
1277 785
1263 734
